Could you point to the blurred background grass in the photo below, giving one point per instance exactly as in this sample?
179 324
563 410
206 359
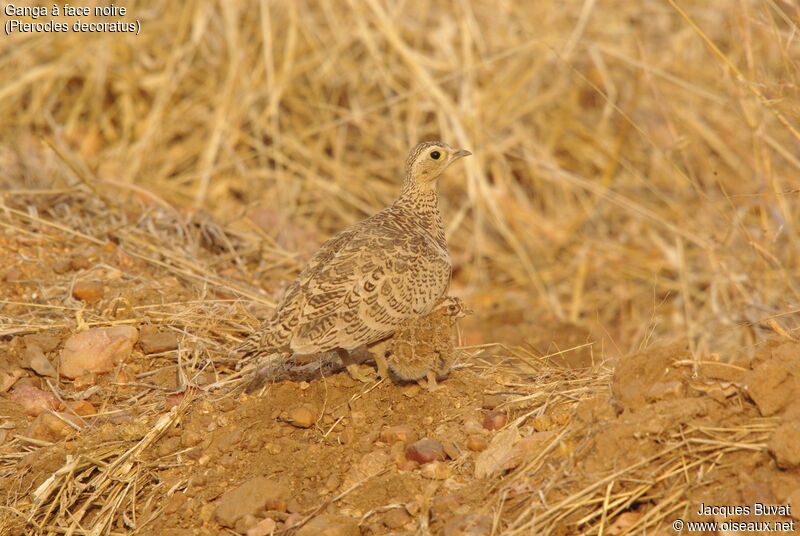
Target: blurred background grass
635 169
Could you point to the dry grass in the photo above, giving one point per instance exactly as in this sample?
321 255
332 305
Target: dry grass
634 170
633 165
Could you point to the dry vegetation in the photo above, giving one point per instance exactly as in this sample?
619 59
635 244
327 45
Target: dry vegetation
634 181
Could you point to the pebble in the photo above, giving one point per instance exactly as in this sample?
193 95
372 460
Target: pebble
476 444
425 451
436 470
397 518
468 525
265 527
328 525
275 504
302 417
402 433
492 401
495 420
47 343
82 407
158 342
8 377
247 498
34 400
293 519
80 262
88 291
451 449
368 466
96 350
48 427
35 360
246 522
445 506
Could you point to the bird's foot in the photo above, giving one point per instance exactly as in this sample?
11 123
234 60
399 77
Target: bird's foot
355 372
429 383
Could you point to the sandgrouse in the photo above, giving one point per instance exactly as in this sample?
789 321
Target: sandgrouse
371 278
423 347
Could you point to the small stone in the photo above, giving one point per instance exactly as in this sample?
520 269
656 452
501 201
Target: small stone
492 401
158 342
47 343
246 522
404 434
445 506
425 451
359 418
468 525
88 291
495 420
81 407
411 391
248 498
96 350
62 266
275 504
329 525
293 519
265 527
48 427
34 400
368 466
8 377
34 359
397 518
451 449
793 500
476 444
80 262
304 385
783 445
84 381
542 423
436 471
175 502
190 438
302 417
293 506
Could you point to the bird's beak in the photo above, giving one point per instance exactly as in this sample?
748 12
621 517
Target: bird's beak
460 153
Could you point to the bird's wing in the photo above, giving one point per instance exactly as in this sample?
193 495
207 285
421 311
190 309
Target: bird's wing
363 286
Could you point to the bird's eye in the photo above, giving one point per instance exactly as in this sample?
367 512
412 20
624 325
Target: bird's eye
435 155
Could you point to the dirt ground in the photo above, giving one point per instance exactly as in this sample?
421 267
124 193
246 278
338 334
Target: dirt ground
167 442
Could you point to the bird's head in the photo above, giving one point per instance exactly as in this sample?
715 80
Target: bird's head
428 160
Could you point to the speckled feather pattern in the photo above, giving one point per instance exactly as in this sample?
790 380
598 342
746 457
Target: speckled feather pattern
426 343
366 281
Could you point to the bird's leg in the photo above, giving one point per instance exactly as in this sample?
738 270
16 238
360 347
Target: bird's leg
430 384
351 364
378 351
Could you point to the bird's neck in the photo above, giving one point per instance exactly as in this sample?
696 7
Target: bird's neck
423 203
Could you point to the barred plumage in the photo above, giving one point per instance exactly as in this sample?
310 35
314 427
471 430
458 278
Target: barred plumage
369 279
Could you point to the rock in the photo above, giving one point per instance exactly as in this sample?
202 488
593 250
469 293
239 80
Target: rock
476 444
402 433
160 341
495 420
770 386
35 360
425 451
468 525
81 407
48 427
265 527
88 291
783 445
80 261
368 466
47 343
492 459
302 417
8 377
34 400
445 506
397 518
472 426
794 501
492 401
246 522
328 525
436 470
248 498
96 350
